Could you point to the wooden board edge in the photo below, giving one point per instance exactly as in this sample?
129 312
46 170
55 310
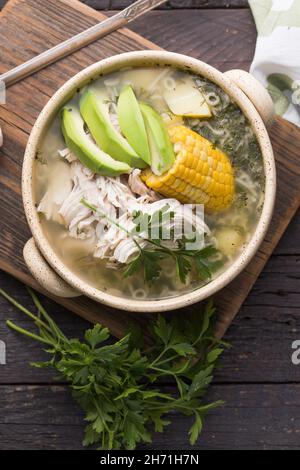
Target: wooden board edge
7 7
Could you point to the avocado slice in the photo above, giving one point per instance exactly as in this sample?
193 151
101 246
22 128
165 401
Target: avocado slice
132 123
161 148
94 108
84 148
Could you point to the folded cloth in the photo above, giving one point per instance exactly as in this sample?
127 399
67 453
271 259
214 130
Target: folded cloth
276 62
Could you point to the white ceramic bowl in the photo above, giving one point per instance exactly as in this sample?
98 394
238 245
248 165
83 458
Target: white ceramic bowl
40 257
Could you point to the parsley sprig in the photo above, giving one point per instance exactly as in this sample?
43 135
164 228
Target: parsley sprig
149 258
119 384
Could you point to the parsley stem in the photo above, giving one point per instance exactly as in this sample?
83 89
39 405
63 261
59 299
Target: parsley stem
174 405
53 328
159 356
164 371
20 307
169 359
17 328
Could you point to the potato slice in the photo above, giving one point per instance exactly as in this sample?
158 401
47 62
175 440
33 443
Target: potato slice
187 100
229 240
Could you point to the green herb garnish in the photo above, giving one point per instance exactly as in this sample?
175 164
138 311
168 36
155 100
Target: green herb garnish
149 258
119 386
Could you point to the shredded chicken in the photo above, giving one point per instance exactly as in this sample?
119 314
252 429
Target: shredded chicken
58 190
137 186
67 154
116 198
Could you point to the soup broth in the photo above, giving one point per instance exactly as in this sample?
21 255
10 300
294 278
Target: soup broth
230 228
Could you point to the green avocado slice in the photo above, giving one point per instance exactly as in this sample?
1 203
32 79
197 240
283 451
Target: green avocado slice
84 148
132 123
161 148
94 108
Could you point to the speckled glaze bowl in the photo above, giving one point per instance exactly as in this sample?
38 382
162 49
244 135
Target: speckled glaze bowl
40 257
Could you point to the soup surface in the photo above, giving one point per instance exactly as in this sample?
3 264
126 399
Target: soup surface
77 205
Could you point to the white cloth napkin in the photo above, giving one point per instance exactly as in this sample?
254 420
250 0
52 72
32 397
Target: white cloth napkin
276 62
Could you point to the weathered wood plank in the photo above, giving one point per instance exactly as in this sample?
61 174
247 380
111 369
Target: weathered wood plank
47 418
225 40
289 244
176 4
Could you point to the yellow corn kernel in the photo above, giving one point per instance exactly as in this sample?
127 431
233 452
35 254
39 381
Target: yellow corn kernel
201 174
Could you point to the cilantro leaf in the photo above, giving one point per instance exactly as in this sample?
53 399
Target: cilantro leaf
183 349
163 329
133 266
183 267
196 429
96 335
152 269
202 269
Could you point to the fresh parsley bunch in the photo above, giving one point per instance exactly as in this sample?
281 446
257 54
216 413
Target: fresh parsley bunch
118 385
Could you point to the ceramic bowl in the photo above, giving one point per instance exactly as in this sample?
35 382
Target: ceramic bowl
44 264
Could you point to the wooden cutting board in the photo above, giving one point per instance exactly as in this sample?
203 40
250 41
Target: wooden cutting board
26 28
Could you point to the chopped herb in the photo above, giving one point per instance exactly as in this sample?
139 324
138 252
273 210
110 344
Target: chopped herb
238 141
242 199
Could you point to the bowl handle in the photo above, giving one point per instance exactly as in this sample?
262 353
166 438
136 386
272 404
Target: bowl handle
256 93
44 274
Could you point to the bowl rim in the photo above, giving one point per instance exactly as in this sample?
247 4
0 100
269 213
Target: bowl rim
103 67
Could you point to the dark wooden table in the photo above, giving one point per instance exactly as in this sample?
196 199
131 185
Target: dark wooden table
257 379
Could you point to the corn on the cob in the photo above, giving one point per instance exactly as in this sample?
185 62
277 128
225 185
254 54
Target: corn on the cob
201 173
